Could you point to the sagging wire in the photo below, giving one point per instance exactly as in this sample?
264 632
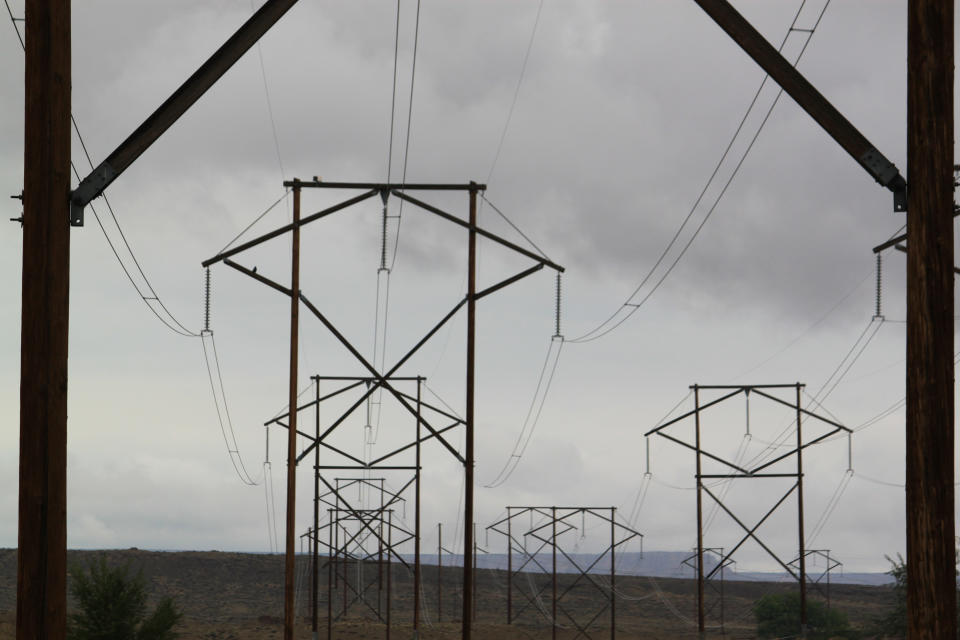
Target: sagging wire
896 406
828 387
516 92
641 495
830 506
809 328
374 400
272 536
544 382
533 413
483 197
406 148
212 362
145 290
629 307
271 207
266 92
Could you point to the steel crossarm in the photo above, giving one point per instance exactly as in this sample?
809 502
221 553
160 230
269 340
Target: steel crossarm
315 401
690 413
794 451
480 231
802 410
279 231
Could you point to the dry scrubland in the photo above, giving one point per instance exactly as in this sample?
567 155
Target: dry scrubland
234 596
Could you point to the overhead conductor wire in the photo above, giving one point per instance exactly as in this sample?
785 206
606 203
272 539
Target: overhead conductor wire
382 301
146 291
155 304
406 146
552 359
516 92
629 307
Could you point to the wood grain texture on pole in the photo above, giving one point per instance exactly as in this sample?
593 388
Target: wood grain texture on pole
42 526
931 587
289 586
315 578
701 611
467 623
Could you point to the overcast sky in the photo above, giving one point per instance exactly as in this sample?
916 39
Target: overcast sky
623 112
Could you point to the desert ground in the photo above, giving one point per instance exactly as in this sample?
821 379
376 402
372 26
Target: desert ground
237 596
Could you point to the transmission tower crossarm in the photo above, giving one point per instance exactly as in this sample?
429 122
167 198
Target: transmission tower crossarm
175 106
808 97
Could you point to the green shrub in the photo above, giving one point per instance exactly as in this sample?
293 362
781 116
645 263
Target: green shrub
778 616
113 606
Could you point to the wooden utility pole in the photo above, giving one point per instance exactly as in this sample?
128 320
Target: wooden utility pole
467 621
289 566
931 584
42 537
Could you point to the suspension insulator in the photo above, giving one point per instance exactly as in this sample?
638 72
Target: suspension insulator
206 300
878 313
559 298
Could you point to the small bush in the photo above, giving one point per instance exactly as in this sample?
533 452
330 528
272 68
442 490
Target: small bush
113 606
778 616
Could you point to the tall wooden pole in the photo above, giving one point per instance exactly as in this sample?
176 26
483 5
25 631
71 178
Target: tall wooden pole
931 584
613 573
315 578
509 568
553 575
416 525
42 534
468 464
439 572
289 569
801 540
701 611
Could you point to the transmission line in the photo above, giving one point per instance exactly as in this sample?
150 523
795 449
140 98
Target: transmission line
533 413
629 307
406 146
516 93
146 292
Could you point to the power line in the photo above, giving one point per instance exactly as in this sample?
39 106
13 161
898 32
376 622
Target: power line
14 21
810 328
839 373
533 413
223 416
628 308
259 217
147 293
225 427
382 300
406 146
514 227
393 95
266 91
516 93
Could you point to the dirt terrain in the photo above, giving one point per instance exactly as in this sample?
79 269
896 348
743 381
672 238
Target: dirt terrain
235 596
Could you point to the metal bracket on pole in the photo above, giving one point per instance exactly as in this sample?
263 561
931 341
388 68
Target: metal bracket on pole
89 188
887 174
